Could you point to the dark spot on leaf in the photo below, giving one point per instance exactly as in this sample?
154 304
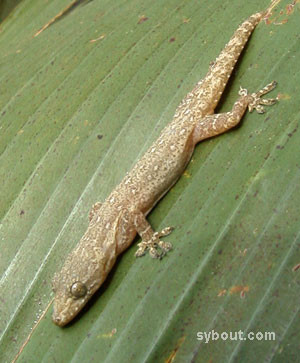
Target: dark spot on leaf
99 137
297 267
22 212
291 133
13 339
142 19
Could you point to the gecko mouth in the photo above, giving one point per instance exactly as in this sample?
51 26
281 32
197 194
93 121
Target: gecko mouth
57 320
64 313
60 319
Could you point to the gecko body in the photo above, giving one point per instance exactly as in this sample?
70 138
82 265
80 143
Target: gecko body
114 223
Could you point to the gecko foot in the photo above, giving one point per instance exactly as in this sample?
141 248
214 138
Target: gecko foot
155 244
256 102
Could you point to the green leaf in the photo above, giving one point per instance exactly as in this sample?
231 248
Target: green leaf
6 6
79 105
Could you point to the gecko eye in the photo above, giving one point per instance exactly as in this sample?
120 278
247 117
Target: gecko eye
78 289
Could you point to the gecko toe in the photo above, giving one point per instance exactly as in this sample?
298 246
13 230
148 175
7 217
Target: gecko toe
154 253
257 102
166 246
166 231
142 247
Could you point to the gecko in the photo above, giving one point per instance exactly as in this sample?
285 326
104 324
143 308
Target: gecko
114 223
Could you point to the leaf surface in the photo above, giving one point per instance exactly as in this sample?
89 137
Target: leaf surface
79 105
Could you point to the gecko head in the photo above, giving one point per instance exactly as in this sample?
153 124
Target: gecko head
70 297
74 285
84 270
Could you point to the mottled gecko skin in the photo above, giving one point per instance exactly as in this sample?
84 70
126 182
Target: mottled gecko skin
114 224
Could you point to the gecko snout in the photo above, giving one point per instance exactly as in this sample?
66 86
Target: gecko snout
56 320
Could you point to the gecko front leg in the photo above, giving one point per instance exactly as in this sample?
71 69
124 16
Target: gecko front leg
216 124
150 239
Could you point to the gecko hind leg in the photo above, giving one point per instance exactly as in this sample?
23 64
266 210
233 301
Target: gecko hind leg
216 124
150 239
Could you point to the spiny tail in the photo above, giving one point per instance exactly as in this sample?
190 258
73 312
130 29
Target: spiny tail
212 86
